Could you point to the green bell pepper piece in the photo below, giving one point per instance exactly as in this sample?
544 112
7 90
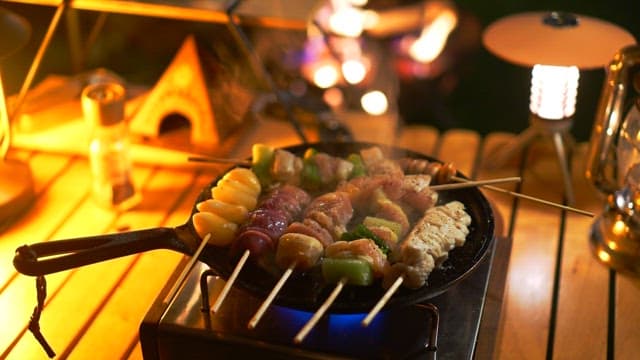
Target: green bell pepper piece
310 172
261 160
362 232
357 271
359 169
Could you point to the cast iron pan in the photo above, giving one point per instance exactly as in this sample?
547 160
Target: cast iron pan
303 291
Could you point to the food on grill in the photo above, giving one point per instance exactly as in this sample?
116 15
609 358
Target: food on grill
324 221
359 261
363 217
314 170
269 220
427 245
441 173
320 171
353 270
233 196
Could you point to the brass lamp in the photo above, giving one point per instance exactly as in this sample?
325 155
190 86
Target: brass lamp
613 164
556 45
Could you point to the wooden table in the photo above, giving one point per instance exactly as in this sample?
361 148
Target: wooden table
553 299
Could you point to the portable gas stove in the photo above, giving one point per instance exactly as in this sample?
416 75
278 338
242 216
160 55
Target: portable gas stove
176 327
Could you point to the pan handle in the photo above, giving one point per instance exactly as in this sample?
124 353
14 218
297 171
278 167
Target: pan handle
54 256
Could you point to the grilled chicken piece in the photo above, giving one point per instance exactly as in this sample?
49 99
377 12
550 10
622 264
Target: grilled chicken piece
428 244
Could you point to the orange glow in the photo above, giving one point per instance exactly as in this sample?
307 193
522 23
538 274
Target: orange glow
374 102
434 37
619 228
325 76
333 97
604 256
347 21
354 71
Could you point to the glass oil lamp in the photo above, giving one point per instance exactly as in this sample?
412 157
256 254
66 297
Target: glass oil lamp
613 165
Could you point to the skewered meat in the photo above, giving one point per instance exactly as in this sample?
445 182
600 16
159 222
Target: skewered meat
362 248
382 207
286 167
427 245
324 221
417 193
441 173
269 220
377 164
361 189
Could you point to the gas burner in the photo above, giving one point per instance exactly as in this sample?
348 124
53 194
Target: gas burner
180 326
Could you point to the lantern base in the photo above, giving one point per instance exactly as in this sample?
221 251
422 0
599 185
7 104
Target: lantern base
558 131
16 191
615 243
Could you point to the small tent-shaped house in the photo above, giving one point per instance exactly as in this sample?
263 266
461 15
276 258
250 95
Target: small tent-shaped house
202 90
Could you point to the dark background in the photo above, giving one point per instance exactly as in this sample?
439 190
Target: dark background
480 92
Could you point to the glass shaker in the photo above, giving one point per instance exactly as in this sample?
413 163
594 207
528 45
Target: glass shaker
103 110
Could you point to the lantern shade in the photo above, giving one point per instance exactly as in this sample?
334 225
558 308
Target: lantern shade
534 38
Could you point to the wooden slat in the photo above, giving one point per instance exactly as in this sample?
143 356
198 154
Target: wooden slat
419 138
526 312
459 147
85 219
584 283
69 312
627 318
490 334
126 308
45 214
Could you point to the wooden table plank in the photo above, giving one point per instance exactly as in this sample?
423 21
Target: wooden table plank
45 214
70 311
529 285
583 297
502 203
124 311
459 147
85 218
419 138
627 318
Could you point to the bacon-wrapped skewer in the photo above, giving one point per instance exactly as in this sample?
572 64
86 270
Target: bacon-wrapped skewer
303 243
265 224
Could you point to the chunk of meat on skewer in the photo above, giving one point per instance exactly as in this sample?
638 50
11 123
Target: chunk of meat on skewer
362 248
441 173
324 222
269 220
378 164
427 245
417 193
